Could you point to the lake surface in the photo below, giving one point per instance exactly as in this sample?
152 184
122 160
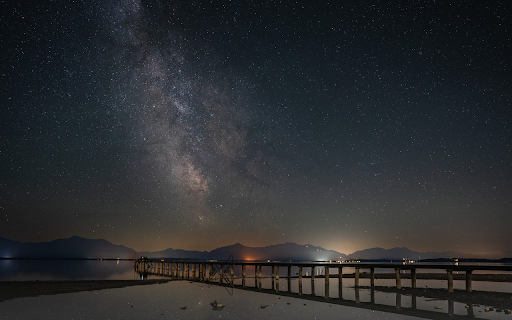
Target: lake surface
24 270
166 300
192 300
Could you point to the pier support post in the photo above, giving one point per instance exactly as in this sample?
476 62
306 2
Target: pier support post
398 278
259 276
300 280
194 271
340 282
372 295
277 278
289 276
372 277
327 282
398 301
255 275
413 278
232 273
221 273
470 310
273 277
356 277
450 280
451 307
468 280
210 272
243 275
356 294
313 280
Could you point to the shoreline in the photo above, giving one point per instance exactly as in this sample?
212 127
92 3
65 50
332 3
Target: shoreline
22 289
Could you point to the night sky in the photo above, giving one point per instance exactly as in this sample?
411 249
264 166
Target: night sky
199 124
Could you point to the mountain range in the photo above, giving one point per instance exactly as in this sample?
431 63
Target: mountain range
71 248
81 248
283 252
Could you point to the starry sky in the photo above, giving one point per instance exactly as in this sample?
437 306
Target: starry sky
195 124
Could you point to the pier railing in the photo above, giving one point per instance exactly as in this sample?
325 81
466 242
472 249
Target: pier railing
223 272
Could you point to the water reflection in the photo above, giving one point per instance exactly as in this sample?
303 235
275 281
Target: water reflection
430 303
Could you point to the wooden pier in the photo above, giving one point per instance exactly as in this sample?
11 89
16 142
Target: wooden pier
223 272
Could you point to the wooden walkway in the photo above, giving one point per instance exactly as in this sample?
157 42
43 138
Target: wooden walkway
223 272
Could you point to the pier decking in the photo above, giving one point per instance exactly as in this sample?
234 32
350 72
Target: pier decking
223 272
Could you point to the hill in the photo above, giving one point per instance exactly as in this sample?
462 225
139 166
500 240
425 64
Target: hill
399 254
281 252
71 248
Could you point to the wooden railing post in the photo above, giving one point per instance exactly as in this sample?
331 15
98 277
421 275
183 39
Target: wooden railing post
277 278
340 282
300 280
468 280
243 275
313 280
450 280
398 278
326 282
289 278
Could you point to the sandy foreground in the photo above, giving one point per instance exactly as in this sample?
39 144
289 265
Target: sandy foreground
20 289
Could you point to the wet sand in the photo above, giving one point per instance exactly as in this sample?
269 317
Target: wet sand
20 289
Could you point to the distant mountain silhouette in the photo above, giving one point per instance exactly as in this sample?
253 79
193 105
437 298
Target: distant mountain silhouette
176 254
71 248
81 248
282 252
399 254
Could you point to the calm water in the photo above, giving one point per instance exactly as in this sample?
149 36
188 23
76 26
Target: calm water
166 300
191 300
23 270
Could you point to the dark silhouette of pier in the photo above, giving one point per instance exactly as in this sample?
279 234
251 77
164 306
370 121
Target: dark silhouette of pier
223 274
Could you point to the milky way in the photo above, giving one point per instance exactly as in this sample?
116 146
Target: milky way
196 124
192 122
